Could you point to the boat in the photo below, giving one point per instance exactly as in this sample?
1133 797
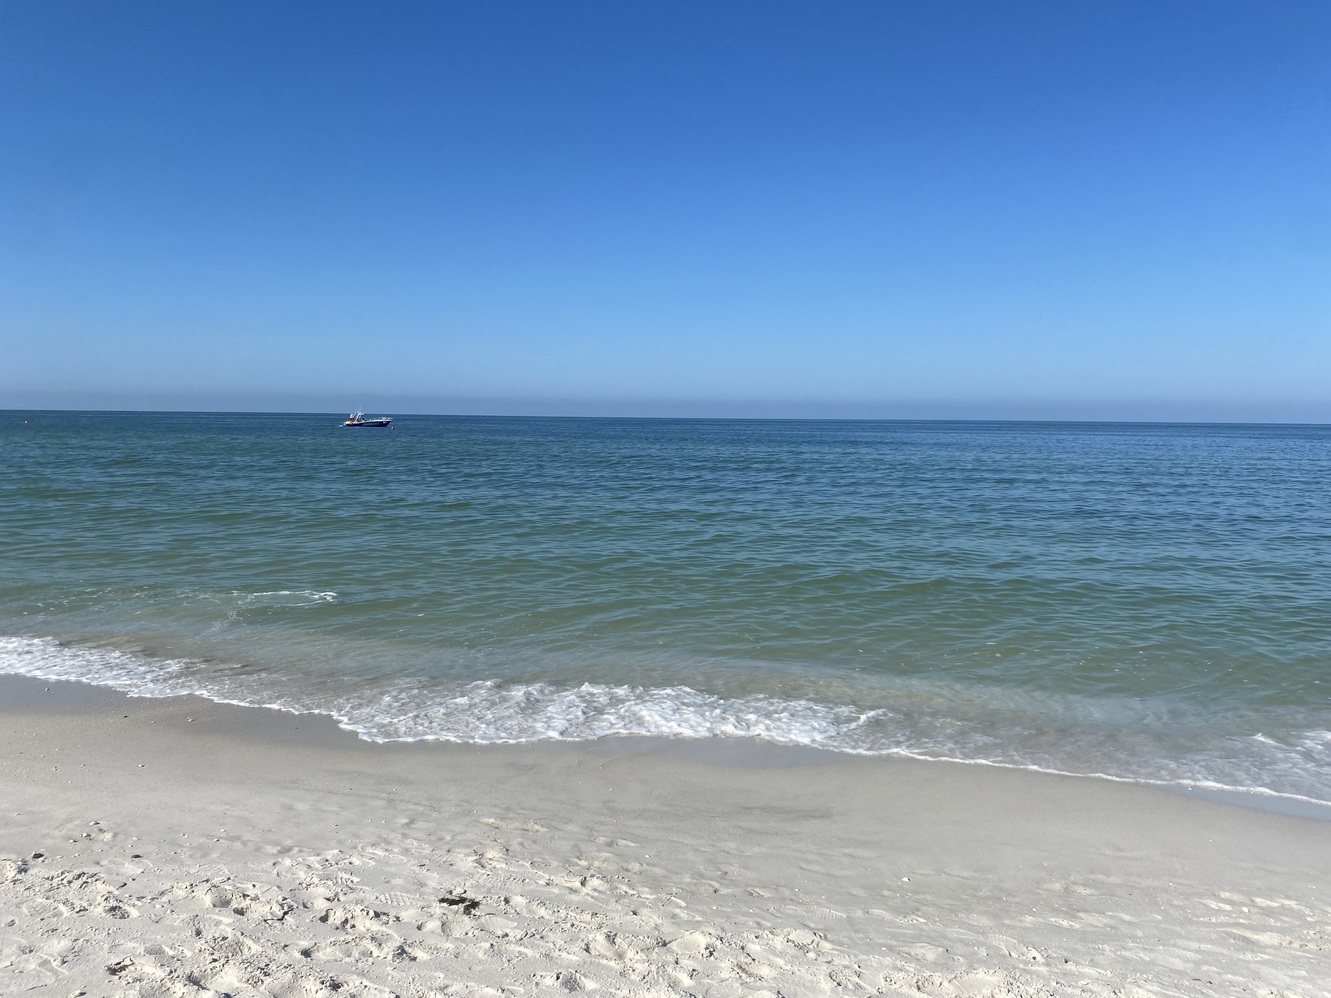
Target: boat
359 418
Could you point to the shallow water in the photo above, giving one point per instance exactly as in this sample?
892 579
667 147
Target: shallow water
1147 602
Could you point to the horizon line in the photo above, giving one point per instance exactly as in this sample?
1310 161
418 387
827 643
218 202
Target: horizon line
694 418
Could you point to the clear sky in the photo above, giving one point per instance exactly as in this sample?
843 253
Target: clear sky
1054 209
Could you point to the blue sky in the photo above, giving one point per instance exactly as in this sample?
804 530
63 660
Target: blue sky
1056 209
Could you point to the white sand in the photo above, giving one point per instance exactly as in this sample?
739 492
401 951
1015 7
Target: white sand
247 852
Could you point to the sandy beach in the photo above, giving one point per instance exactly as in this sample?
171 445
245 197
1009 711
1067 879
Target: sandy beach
182 847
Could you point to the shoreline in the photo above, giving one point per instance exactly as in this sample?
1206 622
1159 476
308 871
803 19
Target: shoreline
28 691
205 848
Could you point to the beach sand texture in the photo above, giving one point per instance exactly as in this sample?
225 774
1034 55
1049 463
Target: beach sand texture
181 847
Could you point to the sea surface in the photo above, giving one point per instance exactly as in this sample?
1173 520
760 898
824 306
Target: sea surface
1136 601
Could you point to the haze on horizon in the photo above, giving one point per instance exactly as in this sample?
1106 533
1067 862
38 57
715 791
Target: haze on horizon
958 209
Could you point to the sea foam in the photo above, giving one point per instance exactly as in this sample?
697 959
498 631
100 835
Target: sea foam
490 712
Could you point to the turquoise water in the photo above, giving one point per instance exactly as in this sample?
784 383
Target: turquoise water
1146 602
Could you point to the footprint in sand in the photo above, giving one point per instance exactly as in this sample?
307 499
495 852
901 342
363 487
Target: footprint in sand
377 946
1016 950
695 943
355 918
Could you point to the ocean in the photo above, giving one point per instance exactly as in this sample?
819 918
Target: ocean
1143 602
